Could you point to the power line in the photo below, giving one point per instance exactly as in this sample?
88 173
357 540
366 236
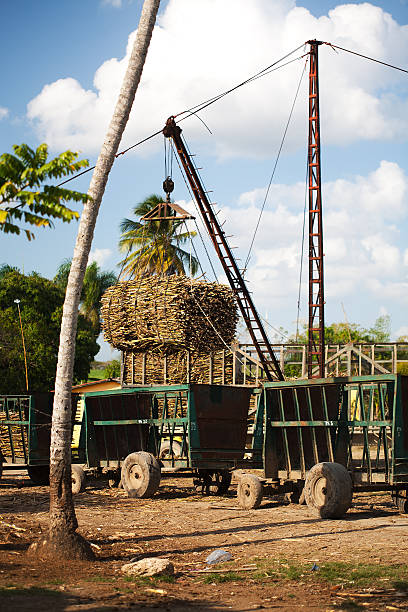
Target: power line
199 106
302 252
372 59
116 156
258 75
274 167
198 213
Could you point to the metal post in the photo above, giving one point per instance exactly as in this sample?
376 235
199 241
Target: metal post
304 372
144 369
22 337
316 354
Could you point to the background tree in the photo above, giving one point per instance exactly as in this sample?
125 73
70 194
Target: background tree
5 269
24 196
154 247
63 537
112 370
41 312
342 333
96 281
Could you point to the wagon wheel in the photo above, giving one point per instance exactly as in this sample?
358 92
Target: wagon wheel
220 482
165 453
141 474
78 479
328 490
114 478
203 481
166 447
249 491
296 496
400 499
39 474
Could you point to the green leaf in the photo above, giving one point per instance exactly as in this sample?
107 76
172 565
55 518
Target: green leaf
25 194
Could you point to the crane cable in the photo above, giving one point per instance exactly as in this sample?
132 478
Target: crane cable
367 57
195 220
274 168
199 106
302 251
271 68
203 105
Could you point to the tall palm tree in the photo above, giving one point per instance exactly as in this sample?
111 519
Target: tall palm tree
63 536
96 281
154 247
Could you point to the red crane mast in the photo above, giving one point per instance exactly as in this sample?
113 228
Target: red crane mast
316 344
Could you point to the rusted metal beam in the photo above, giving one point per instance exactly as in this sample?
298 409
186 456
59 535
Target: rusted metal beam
316 345
226 257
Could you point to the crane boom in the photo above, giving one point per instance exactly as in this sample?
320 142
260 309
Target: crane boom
237 283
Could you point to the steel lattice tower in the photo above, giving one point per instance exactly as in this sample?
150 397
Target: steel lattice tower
316 348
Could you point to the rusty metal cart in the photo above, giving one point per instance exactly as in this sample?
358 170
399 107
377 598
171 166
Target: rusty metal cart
321 439
204 426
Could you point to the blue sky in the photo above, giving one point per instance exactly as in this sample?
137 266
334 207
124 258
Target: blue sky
61 80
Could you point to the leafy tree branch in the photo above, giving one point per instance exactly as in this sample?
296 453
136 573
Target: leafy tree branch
25 198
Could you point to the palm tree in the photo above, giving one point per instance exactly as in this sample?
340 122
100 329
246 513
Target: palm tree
64 539
96 282
154 247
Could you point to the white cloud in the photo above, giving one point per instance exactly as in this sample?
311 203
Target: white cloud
101 256
114 3
360 100
361 242
385 256
402 331
3 112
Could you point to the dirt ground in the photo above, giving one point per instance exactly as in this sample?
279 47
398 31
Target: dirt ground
283 559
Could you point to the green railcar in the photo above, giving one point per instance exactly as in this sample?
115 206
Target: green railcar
320 440
203 427
25 435
25 430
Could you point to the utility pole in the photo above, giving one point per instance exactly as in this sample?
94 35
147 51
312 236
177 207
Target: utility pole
316 345
22 337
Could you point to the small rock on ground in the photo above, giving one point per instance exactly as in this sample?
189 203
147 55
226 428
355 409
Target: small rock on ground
149 567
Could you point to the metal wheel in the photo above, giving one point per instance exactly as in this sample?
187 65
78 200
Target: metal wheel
166 447
400 499
165 454
296 496
220 482
141 474
328 490
114 478
39 474
202 482
78 479
249 491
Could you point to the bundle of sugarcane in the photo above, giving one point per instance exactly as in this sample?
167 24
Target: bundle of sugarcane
169 313
13 438
155 368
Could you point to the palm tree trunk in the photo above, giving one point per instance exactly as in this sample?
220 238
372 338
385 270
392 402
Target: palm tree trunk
63 523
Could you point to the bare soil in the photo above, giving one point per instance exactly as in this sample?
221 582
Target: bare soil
359 562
